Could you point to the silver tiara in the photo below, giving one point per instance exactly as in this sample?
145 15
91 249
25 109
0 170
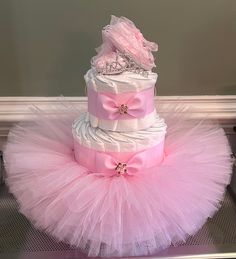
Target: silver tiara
123 62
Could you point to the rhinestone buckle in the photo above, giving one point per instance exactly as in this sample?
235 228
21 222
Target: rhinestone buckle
121 168
123 109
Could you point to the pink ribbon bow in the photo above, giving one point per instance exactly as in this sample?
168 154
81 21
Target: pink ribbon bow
114 109
108 165
119 163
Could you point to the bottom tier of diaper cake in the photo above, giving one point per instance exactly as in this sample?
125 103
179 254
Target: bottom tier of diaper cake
115 153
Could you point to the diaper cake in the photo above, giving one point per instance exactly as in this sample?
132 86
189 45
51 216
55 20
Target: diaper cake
120 179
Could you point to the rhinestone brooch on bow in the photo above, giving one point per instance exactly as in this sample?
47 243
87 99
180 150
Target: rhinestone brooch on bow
121 168
123 109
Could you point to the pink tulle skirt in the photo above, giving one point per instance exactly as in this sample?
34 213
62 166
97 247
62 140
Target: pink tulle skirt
117 216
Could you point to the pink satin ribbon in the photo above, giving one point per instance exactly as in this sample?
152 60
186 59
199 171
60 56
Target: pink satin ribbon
106 105
107 163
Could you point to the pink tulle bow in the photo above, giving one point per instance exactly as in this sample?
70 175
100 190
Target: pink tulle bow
122 35
113 110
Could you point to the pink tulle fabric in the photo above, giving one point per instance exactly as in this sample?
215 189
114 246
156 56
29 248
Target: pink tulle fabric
122 35
117 216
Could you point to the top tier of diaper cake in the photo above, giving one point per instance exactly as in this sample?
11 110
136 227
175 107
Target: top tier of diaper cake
120 83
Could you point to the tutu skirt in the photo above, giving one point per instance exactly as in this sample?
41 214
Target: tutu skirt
117 216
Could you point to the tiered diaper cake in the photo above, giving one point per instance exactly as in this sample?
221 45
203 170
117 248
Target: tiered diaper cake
120 182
